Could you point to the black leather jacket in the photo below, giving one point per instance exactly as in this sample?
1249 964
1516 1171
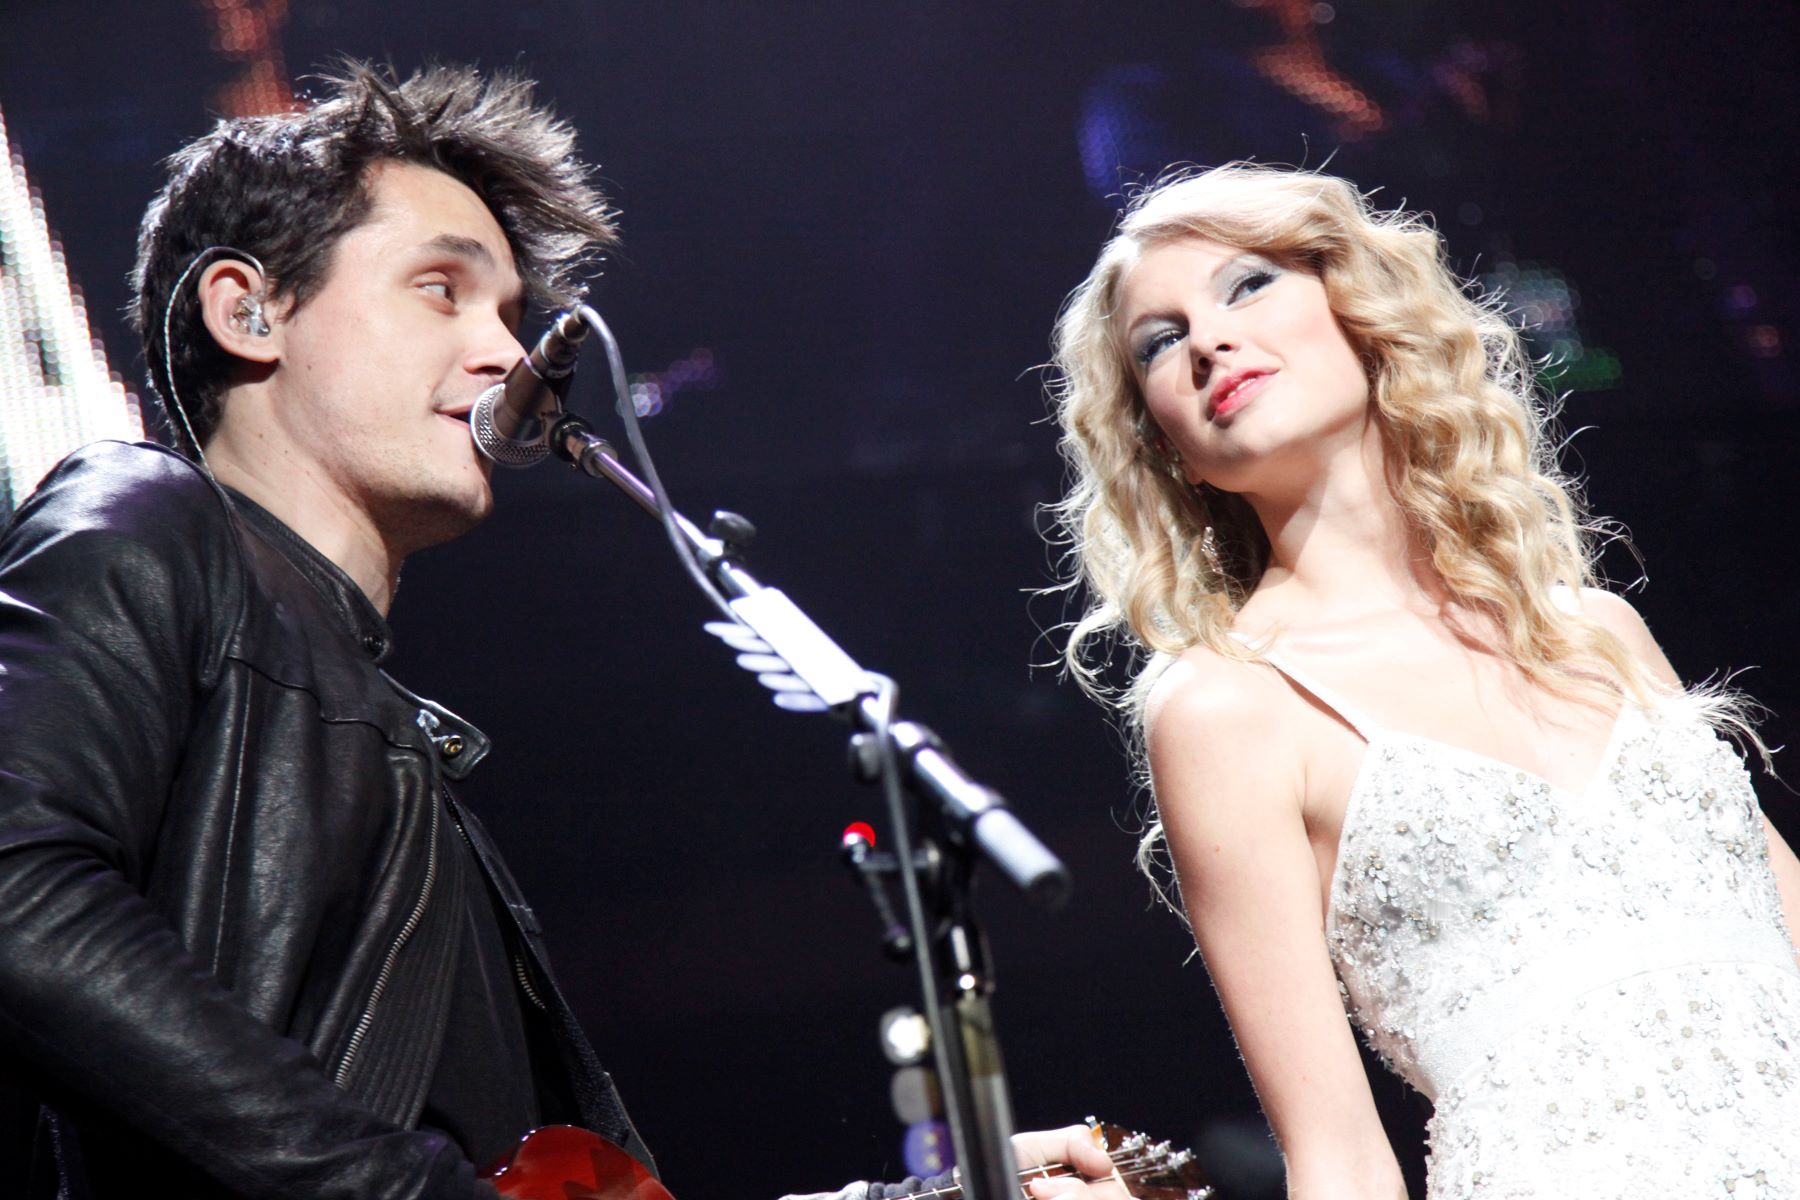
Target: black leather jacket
222 827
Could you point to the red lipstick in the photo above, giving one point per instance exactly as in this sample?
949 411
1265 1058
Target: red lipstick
1234 391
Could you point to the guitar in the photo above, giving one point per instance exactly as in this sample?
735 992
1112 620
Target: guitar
561 1162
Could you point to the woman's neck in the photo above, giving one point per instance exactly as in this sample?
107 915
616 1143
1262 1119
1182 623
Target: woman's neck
1341 547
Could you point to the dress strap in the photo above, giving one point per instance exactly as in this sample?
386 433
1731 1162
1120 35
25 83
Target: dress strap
1349 714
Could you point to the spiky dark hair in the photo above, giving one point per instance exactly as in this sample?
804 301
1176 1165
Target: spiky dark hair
286 188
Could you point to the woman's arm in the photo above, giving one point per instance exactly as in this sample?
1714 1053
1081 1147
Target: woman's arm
1230 775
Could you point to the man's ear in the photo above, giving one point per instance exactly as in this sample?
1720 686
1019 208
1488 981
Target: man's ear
237 312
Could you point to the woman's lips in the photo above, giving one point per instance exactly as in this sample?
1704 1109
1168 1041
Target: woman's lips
1238 392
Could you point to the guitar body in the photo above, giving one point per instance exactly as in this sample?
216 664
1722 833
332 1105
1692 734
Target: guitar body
561 1162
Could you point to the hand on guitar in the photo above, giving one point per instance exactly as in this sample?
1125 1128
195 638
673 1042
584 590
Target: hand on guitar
1098 1161
1074 1148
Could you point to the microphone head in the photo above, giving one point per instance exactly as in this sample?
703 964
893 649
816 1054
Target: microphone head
500 448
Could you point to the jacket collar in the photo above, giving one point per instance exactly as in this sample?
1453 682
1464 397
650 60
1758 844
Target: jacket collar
458 744
361 619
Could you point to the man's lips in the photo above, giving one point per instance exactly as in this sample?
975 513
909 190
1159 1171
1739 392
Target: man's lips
1235 391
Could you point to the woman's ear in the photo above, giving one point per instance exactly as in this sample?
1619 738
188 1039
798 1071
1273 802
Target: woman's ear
236 311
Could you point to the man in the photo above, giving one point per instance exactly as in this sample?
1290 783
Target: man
253 944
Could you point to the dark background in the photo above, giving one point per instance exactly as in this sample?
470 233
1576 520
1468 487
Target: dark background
867 215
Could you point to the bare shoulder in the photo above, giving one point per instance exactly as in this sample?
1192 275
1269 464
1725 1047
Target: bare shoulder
1618 617
1217 727
1616 613
1202 692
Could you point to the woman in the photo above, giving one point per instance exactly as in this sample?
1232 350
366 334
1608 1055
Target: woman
1406 762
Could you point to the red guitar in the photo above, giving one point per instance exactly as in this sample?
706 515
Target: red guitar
561 1162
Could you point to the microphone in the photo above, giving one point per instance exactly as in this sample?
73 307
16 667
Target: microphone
511 421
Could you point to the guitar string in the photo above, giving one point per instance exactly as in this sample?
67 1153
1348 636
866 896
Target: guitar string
1129 1169
1146 1163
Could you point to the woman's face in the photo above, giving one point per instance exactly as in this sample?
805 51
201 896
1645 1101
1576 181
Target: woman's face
1241 362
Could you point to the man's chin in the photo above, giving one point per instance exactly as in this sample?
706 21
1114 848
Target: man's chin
420 522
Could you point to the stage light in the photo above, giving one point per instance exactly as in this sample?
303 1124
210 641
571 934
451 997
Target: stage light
56 391
1546 305
905 1036
1763 341
651 391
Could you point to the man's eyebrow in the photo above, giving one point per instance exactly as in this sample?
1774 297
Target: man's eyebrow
474 251
462 247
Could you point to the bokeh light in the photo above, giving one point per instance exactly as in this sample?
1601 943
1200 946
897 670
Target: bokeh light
651 391
56 390
248 32
1543 301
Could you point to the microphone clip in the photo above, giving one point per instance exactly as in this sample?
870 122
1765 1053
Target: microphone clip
512 420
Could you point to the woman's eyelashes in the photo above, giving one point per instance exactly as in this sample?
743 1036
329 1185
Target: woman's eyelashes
1249 281
1155 344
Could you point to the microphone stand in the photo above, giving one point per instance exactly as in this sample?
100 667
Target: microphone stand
964 821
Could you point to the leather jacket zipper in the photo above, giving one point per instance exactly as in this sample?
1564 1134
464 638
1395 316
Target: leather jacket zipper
525 983
387 966
518 963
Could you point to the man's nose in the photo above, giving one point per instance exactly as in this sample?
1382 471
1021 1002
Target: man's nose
496 350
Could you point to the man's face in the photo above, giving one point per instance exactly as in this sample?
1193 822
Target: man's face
380 367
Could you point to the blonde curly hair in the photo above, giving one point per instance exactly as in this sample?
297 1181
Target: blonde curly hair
1168 565
1463 423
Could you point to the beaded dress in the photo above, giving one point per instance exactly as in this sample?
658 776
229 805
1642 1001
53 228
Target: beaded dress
1595 989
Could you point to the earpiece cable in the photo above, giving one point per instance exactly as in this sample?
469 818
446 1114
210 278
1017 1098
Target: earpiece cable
174 398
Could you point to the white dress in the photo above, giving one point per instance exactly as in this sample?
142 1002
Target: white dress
1595 989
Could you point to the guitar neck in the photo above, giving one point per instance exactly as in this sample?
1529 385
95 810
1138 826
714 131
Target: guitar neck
1144 1169
954 1191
